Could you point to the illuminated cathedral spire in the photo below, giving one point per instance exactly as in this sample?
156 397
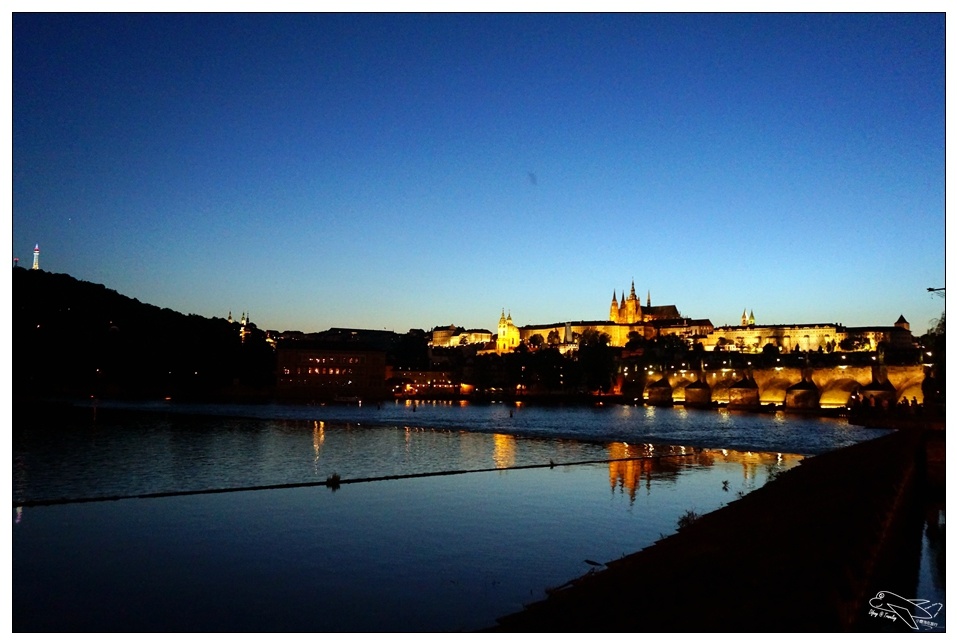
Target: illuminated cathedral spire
36 257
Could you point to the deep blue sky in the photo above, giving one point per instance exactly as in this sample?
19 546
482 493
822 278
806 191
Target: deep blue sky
409 171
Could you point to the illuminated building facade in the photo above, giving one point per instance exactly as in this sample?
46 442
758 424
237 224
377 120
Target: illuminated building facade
315 372
752 338
453 336
509 335
412 382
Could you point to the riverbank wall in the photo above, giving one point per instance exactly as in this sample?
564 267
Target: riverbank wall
804 553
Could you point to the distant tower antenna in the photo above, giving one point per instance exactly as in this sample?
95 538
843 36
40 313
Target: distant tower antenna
36 257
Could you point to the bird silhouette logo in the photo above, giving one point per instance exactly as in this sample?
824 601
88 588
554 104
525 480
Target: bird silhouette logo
910 611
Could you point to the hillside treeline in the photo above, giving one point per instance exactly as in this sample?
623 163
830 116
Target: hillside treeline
74 338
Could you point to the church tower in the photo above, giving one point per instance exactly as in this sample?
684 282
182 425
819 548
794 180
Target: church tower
508 334
614 307
632 307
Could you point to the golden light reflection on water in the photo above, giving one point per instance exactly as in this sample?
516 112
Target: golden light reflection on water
504 450
318 438
632 465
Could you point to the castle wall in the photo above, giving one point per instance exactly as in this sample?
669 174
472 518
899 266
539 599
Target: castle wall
785 337
618 333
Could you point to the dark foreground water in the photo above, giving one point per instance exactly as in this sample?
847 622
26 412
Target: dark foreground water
437 553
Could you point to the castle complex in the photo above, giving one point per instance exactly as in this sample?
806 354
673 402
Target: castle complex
628 316
625 317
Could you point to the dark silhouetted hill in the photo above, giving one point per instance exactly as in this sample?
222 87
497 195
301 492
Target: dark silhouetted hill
78 339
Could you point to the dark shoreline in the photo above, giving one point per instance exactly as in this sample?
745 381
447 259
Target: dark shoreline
803 553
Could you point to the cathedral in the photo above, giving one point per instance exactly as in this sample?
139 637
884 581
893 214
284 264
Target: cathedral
631 312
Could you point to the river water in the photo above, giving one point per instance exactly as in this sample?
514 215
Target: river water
446 516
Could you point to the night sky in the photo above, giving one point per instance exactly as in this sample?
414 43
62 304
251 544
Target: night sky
409 171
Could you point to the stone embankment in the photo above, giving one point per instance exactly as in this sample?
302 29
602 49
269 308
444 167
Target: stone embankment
803 553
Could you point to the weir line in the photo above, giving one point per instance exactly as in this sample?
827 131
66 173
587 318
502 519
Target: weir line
32 503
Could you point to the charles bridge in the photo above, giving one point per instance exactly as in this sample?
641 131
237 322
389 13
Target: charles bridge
795 387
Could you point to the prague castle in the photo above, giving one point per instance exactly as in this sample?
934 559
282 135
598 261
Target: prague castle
625 317
628 316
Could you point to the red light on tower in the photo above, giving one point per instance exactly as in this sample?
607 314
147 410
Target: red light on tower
36 257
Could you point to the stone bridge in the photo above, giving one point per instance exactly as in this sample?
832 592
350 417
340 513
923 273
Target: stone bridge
811 387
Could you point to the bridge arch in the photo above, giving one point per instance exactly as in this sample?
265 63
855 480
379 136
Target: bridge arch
774 390
678 384
837 393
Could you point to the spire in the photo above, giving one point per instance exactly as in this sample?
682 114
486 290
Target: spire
614 297
751 318
744 317
632 296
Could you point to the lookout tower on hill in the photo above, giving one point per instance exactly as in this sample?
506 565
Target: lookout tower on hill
36 257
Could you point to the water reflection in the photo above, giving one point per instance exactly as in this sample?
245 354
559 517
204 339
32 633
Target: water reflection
628 474
935 548
504 451
19 477
128 454
631 466
318 438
